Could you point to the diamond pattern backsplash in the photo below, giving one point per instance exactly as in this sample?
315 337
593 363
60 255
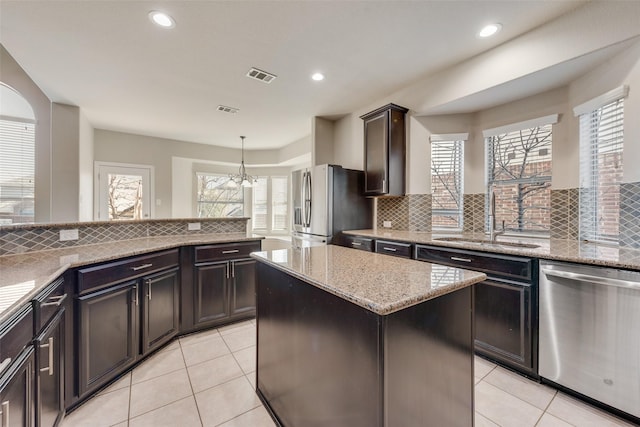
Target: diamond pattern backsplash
630 215
419 212
411 212
565 214
21 239
473 213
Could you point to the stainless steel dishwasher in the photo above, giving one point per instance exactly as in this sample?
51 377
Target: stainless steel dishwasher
590 332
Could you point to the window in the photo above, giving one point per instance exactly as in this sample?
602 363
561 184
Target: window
216 198
519 174
270 204
447 161
17 171
601 143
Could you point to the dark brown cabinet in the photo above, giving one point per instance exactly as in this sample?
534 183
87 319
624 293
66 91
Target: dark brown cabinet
223 283
355 242
400 249
385 151
505 306
161 308
16 392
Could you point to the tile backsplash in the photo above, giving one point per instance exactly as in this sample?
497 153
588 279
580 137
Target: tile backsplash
411 212
36 237
630 215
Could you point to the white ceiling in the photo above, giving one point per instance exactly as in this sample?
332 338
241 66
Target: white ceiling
128 75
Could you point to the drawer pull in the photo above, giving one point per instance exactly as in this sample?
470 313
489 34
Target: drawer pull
232 251
48 346
389 249
54 301
356 244
455 258
141 267
4 412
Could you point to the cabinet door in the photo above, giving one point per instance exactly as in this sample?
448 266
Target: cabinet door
16 388
50 374
503 322
211 300
161 308
108 334
243 289
376 147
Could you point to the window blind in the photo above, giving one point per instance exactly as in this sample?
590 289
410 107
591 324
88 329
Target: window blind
601 145
17 171
279 200
259 217
447 160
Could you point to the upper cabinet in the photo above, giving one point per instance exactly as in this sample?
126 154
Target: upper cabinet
385 151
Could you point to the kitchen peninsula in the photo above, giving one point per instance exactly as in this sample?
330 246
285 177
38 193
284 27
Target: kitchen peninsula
351 338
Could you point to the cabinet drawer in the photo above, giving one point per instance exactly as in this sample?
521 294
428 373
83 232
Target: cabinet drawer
15 334
394 248
47 303
106 274
225 251
357 242
505 266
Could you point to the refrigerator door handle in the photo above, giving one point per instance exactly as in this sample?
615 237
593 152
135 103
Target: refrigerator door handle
307 199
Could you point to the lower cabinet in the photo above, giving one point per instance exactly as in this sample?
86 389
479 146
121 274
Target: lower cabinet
16 392
161 308
50 376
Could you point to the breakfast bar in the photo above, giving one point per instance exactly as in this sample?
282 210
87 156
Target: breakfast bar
351 338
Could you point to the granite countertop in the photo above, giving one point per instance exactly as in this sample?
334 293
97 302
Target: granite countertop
380 283
23 276
552 249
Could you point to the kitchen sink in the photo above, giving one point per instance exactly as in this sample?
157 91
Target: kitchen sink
487 242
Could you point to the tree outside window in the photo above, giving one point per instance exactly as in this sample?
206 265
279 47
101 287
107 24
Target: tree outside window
216 198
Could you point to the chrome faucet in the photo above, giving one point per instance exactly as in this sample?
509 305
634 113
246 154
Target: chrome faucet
493 234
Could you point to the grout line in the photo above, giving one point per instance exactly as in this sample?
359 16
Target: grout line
130 387
193 394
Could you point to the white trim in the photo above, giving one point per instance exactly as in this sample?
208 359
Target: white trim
449 137
602 100
527 124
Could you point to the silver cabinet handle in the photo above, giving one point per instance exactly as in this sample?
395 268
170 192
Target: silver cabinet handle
593 279
389 249
149 287
356 244
48 346
455 258
55 301
5 363
5 413
228 270
233 251
233 269
135 294
141 267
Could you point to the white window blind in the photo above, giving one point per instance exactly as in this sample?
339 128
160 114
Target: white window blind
279 201
17 171
447 165
601 144
216 198
260 204
519 174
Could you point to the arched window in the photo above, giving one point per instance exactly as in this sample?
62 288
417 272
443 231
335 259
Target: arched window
17 158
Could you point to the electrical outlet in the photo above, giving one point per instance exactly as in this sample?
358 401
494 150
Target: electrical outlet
386 224
193 226
70 234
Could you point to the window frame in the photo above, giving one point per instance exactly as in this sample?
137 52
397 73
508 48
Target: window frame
458 141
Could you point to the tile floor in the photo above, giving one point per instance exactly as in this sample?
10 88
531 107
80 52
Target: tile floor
208 379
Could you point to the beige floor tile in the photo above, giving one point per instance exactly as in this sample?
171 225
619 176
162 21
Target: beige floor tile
213 372
198 337
183 413
104 410
123 382
122 424
538 395
246 359
252 379
208 349
172 346
160 391
482 421
258 417
581 414
235 327
243 338
549 420
159 364
226 401
482 367
503 408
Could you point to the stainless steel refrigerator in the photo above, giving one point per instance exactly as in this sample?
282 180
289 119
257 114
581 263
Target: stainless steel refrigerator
328 199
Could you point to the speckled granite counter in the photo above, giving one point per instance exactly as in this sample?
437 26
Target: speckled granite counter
555 249
23 276
379 283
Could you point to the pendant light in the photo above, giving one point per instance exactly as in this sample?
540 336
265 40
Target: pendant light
242 178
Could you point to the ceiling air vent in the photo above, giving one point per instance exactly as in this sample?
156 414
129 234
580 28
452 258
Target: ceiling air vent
226 109
263 76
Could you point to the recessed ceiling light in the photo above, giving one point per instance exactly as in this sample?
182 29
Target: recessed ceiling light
489 30
161 19
318 77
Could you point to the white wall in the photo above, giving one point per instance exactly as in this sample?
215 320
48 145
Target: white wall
65 137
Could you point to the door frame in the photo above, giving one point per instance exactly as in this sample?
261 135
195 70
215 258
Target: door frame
102 167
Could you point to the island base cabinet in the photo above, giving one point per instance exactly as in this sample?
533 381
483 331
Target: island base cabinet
324 361
108 334
50 383
16 392
161 319
211 300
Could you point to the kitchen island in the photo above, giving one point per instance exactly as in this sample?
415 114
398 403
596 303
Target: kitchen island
350 338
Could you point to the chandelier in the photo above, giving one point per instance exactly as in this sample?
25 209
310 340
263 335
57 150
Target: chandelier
241 178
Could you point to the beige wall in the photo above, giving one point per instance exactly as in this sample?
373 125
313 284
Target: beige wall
65 162
85 170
